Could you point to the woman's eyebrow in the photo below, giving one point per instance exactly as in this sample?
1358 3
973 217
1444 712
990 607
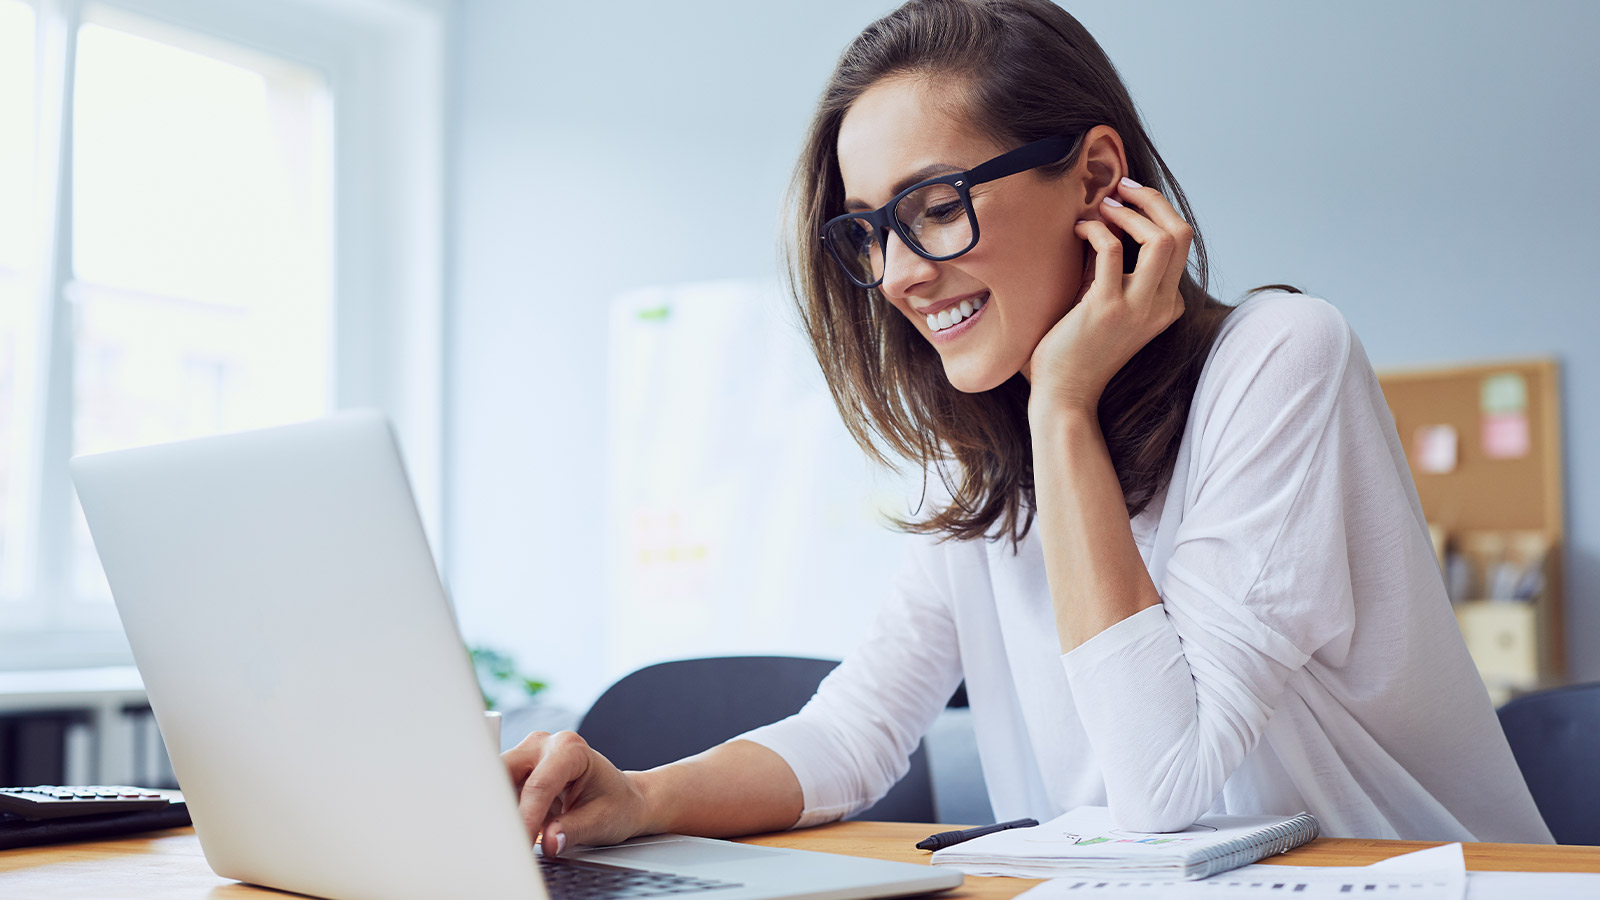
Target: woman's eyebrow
928 171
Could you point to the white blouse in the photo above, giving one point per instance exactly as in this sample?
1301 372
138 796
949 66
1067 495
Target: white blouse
1304 655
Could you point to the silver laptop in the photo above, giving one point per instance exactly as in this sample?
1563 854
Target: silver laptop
320 711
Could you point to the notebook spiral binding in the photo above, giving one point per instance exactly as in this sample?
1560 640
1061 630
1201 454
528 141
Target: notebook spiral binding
1270 841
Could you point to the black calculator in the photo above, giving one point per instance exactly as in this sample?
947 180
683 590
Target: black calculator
53 801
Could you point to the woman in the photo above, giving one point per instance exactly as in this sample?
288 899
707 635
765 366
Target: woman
1229 602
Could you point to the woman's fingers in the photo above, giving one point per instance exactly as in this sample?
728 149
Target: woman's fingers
1155 249
554 840
1159 212
1116 314
1155 206
1107 257
569 794
544 767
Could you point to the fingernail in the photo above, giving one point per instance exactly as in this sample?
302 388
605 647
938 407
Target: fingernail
1110 201
1082 221
561 842
1129 182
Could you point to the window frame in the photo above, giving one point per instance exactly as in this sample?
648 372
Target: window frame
385 64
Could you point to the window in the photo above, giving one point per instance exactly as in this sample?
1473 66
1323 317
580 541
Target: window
18 136
171 197
201 247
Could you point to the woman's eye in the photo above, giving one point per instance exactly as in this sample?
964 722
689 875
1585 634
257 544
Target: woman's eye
943 212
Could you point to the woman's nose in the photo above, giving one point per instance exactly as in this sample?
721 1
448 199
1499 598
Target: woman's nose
904 269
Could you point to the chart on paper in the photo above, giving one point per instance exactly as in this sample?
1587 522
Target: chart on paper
1439 873
1291 883
1479 886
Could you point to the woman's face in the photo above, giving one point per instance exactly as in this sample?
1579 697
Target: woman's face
1027 265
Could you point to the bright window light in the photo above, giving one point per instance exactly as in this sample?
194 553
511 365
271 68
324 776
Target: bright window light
17 134
201 245
18 137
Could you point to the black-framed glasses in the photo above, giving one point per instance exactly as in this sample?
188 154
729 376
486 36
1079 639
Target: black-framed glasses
934 217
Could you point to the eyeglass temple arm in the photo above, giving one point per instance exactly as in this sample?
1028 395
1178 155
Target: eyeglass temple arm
1028 156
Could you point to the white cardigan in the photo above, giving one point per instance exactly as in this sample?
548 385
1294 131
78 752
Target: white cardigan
1304 656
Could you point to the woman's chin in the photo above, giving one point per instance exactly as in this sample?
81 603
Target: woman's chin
975 376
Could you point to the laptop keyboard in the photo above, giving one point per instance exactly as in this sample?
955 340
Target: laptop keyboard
568 879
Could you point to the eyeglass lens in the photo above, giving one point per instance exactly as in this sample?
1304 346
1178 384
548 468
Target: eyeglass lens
936 218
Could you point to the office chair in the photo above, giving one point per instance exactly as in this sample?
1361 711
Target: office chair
665 712
1555 736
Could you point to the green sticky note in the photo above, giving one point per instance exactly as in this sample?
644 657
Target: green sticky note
1504 393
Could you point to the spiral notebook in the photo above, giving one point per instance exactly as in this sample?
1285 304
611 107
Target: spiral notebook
1087 840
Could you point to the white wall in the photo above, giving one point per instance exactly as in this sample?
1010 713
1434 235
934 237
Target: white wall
599 147
1426 166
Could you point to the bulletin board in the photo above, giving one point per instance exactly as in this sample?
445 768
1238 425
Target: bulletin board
1484 446
1485 492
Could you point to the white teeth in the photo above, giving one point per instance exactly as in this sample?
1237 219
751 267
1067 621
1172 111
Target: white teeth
954 314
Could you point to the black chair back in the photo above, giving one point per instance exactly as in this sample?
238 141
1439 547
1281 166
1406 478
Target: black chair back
667 711
1555 736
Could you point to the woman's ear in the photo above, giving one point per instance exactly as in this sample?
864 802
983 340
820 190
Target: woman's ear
1101 164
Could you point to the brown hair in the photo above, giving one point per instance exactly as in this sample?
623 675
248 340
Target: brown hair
1029 71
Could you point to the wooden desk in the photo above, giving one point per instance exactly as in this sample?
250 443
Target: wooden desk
169 865
894 840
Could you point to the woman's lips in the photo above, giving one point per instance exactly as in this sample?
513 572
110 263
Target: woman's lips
965 325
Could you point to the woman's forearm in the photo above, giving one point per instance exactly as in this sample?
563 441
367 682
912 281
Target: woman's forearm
1097 577
735 788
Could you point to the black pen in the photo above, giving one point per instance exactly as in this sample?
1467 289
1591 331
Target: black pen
950 838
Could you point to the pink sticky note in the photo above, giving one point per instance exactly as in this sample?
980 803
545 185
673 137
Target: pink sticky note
1505 435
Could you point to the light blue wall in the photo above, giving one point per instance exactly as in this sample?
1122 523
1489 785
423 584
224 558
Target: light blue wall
1426 166
599 147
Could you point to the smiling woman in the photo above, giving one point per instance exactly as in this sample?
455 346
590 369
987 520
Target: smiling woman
950 105
1230 602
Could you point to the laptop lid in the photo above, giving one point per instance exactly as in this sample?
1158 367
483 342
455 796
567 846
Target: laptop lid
305 670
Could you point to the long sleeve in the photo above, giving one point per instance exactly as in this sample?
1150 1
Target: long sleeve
854 739
1175 697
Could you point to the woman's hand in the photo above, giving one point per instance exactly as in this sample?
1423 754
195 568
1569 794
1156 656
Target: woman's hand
571 794
1116 314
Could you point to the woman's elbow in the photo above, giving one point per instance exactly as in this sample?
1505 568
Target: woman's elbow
1147 815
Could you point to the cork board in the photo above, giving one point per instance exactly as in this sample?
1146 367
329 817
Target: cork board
1482 492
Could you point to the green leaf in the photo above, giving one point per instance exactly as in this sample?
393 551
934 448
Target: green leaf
494 667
